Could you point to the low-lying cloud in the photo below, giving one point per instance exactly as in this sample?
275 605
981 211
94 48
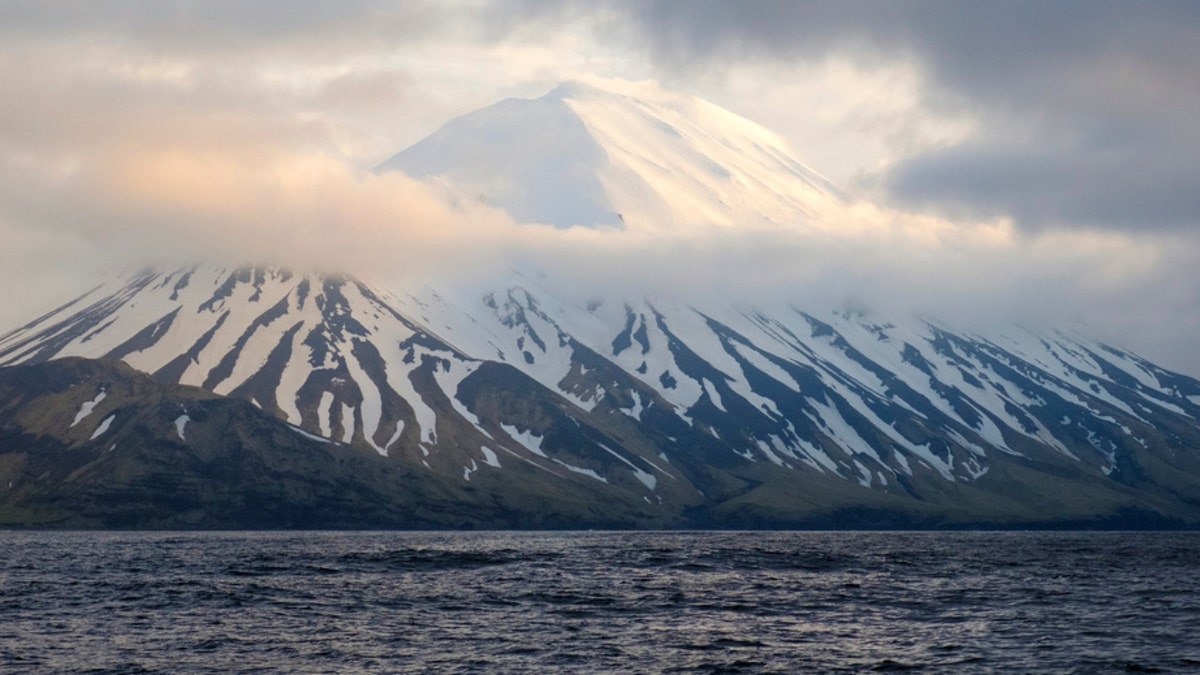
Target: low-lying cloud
135 204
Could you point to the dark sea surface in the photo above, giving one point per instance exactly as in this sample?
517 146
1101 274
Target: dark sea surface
599 602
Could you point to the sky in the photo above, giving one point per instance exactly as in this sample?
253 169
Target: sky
1027 160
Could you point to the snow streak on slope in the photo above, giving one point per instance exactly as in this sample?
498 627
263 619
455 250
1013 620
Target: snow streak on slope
614 389
330 355
620 154
291 343
87 407
858 396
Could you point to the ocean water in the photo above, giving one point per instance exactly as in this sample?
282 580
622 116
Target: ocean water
707 602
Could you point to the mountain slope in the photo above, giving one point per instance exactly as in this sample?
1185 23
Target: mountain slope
93 443
88 443
718 415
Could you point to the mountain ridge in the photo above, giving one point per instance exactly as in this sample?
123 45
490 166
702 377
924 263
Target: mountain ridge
702 416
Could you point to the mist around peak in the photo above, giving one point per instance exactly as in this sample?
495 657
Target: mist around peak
231 194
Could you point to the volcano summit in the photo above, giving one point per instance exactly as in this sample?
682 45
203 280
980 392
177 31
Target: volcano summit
634 155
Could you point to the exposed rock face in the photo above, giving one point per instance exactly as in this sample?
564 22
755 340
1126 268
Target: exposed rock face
94 443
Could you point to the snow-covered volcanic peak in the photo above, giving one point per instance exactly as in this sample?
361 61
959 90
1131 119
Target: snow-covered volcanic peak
616 154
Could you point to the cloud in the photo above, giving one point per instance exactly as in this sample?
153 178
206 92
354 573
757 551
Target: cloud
220 200
217 197
1084 109
162 132
308 29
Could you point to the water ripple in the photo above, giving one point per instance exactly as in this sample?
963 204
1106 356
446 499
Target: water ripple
598 602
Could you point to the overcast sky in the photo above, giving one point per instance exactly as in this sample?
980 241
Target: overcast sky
1048 149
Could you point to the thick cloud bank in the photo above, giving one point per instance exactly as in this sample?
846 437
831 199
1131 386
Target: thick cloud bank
150 133
1085 109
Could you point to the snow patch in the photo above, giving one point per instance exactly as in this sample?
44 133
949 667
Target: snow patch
713 395
647 479
87 407
395 437
311 437
103 427
489 457
180 423
528 439
347 423
769 453
323 413
635 411
864 474
584 472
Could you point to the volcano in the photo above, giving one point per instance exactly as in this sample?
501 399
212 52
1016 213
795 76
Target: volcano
526 407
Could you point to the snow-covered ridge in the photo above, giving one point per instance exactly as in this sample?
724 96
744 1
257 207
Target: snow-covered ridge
853 396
